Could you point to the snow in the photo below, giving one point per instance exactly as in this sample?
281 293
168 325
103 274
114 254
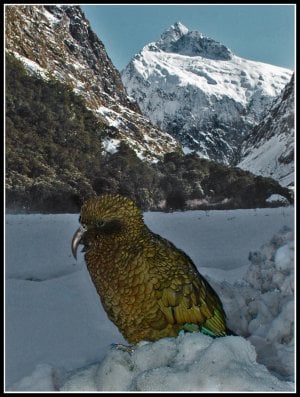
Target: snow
272 152
149 144
277 197
187 363
186 150
110 145
263 160
173 33
284 257
31 66
51 18
188 84
218 80
77 66
58 337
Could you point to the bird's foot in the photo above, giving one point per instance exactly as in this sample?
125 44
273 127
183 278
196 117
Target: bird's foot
129 349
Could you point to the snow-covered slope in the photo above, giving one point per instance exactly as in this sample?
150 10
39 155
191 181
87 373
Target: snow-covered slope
200 92
58 41
269 150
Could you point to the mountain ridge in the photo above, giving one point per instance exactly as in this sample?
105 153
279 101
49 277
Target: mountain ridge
269 151
209 103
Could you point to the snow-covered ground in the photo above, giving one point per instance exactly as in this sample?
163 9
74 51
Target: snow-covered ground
58 337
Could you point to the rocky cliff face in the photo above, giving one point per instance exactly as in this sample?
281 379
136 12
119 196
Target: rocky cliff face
58 41
196 89
269 150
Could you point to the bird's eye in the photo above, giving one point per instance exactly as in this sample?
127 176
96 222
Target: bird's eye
100 224
108 226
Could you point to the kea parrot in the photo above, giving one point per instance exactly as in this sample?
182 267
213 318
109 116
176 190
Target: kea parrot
148 287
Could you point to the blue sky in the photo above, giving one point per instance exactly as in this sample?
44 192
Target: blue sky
262 33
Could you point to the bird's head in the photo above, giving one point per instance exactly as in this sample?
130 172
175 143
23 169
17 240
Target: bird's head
109 216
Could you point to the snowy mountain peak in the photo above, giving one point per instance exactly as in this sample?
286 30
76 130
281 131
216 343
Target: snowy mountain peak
173 33
201 93
180 27
180 40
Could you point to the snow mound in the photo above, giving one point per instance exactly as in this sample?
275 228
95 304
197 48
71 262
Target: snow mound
264 306
271 273
189 362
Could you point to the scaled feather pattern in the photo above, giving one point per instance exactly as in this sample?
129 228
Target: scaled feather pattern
149 288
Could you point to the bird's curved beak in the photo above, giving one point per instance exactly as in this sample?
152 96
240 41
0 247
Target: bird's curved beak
76 240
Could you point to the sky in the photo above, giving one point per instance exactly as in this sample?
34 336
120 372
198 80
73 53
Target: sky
264 33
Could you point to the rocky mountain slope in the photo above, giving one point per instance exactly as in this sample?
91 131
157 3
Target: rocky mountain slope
196 89
58 41
269 150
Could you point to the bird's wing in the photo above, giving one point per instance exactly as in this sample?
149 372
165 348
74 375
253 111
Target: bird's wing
183 295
